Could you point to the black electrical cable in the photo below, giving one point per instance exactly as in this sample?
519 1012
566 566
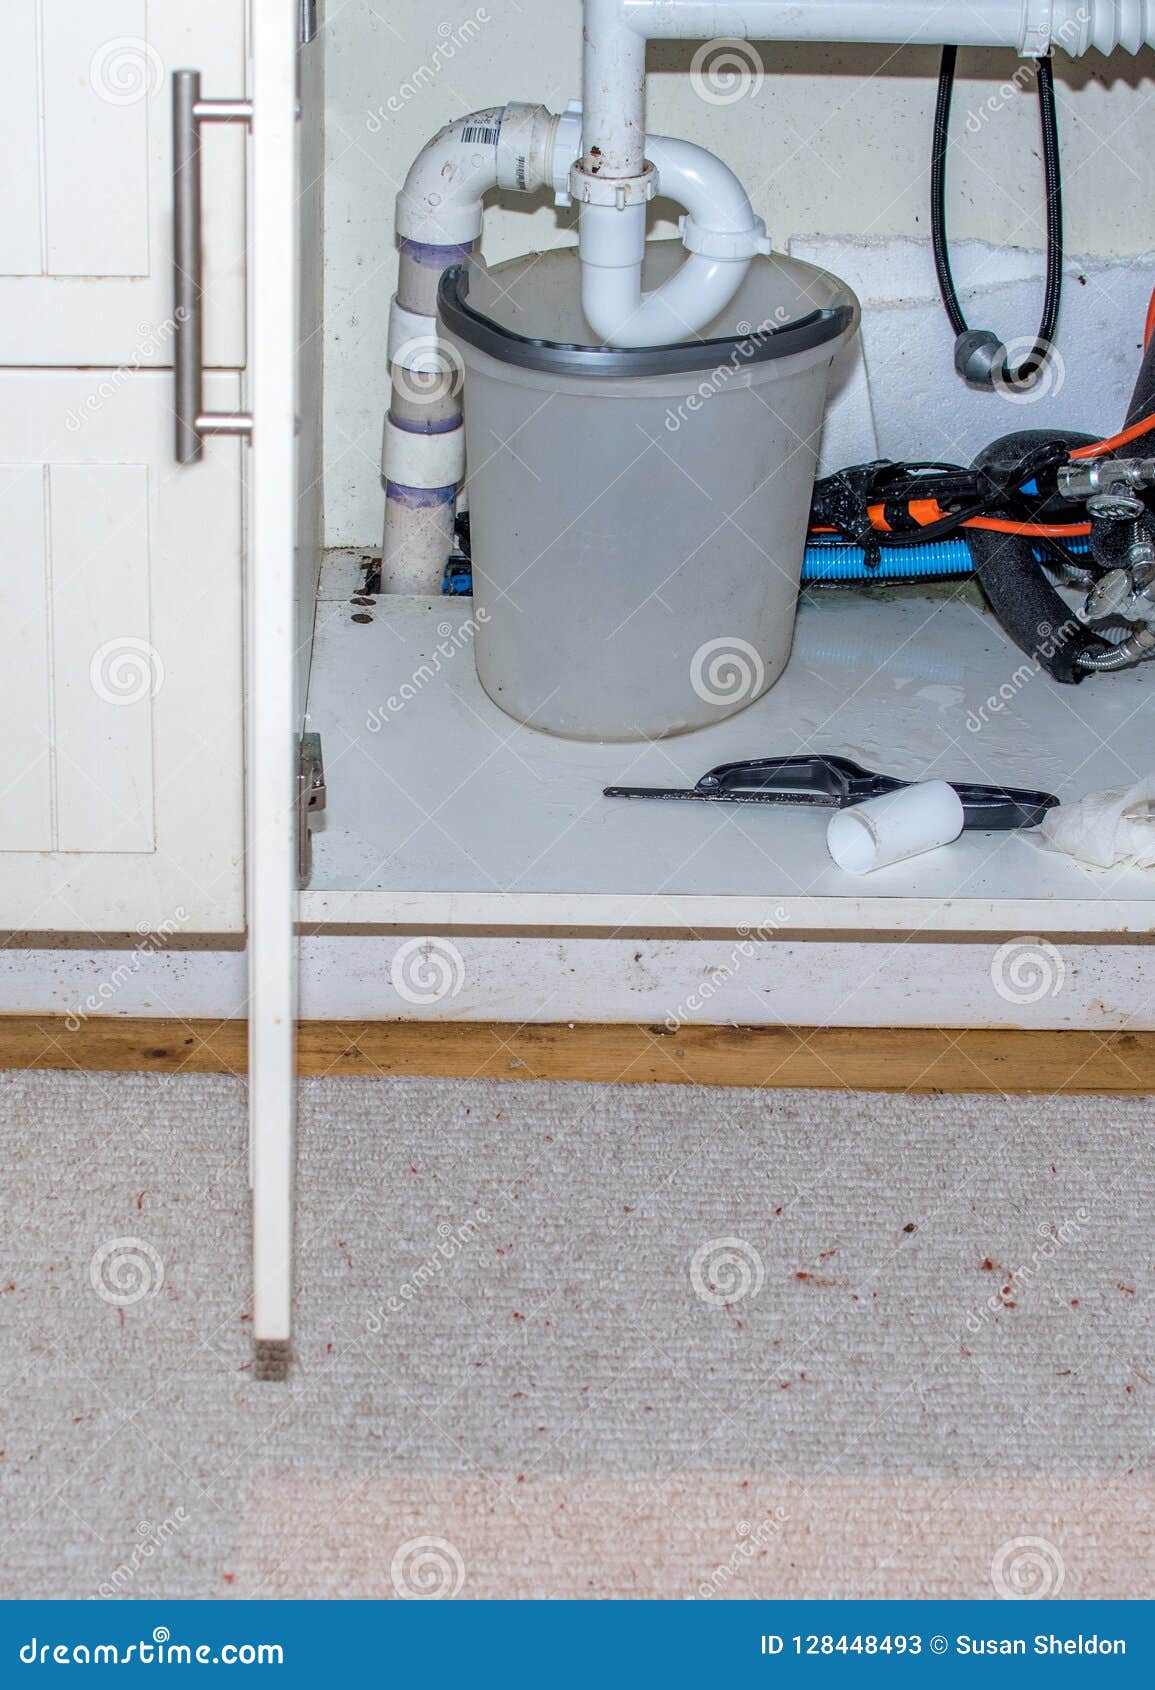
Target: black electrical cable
843 502
1026 372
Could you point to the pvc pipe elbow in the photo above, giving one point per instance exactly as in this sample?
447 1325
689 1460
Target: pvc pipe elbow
701 183
621 314
508 146
441 201
720 230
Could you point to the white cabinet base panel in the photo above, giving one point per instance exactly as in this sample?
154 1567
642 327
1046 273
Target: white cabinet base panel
695 981
491 882
443 812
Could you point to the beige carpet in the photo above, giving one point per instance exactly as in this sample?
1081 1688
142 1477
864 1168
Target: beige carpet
580 1341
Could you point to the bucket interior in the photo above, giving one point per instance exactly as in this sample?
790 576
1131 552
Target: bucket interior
539 295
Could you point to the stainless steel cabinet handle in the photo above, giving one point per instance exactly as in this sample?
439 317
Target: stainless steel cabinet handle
189 111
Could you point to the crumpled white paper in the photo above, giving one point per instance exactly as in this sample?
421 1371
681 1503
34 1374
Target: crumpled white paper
1105 828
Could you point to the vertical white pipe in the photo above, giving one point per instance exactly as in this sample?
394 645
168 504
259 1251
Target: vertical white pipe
424 417
418 538
613 92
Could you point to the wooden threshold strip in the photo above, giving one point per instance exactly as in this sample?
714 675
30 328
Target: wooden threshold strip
918 1059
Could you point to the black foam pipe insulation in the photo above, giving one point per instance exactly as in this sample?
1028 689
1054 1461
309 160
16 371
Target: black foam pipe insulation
1038 620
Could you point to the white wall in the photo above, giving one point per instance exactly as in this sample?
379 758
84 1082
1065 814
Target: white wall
829 141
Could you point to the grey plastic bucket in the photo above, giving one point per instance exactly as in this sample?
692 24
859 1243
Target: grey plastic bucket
638 518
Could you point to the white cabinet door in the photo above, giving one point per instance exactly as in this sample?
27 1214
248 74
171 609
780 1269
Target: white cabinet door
85 189
279 621
120 659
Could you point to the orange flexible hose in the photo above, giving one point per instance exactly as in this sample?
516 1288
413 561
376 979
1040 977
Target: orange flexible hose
1136 429
1002 525
928 511
1100 446
1041 530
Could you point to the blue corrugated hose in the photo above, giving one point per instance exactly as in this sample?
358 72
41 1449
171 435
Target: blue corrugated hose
834 561
837 562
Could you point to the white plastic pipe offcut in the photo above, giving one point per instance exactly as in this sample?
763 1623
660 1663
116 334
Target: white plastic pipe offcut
896 826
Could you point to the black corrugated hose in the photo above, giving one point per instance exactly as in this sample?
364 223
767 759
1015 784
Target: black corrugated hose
1036 358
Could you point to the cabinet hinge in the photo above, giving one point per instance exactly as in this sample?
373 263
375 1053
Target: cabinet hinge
310 800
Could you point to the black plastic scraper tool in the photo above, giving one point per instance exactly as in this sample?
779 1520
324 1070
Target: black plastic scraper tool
834 783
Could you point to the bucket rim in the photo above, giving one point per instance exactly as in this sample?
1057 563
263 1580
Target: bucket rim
768 342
